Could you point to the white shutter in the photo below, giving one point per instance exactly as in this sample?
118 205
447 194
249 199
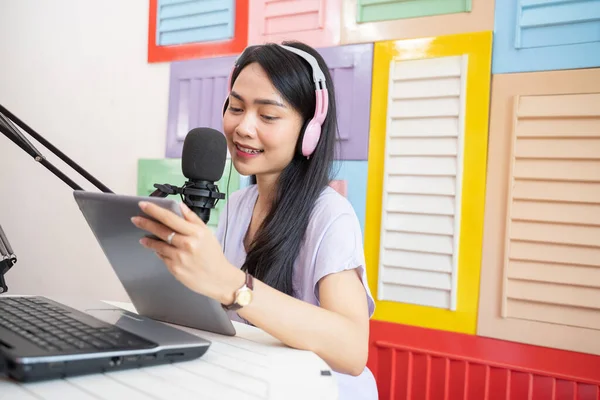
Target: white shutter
422 182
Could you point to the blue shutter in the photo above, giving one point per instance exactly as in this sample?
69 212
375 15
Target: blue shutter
538 35
195 21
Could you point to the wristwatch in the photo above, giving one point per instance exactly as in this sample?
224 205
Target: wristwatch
243 296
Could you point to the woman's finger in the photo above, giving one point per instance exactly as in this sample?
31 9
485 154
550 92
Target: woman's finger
190 216
161 248
157 229
168 218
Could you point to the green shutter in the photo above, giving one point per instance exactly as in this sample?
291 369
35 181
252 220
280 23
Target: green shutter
168 170
381 10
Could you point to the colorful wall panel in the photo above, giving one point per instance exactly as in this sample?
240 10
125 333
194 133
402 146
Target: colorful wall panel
351 177
197 92
534 35
382 10
315 22
392 20
351 69
425 193
185 29
417 363
198 89
168 170
541 264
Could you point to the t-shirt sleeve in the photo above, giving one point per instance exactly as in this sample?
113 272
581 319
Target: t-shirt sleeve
340 249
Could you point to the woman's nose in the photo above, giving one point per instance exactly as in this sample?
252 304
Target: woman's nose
246 127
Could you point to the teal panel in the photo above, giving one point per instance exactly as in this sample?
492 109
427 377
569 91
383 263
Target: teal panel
381 10
168 170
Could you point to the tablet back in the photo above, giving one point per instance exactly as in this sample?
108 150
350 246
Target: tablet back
153 290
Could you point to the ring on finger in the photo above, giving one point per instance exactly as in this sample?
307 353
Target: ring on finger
170 238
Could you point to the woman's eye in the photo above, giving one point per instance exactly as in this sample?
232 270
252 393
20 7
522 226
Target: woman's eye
234 109
269 118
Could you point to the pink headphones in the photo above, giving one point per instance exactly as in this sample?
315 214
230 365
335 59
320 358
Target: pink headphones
312 133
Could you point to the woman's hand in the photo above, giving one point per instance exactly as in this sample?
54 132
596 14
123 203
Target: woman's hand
194 255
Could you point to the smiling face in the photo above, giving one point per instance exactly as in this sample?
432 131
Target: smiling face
260 126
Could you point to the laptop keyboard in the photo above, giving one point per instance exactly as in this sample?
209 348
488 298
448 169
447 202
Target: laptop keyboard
58 329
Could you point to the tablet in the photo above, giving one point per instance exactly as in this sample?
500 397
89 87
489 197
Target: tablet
153 290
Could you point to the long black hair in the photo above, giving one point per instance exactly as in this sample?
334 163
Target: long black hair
275 247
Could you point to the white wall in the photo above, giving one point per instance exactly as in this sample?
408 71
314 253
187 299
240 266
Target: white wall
76 72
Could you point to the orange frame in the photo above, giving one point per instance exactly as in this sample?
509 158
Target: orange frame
197 50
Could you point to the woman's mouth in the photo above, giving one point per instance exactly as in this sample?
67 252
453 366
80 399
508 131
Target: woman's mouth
246 151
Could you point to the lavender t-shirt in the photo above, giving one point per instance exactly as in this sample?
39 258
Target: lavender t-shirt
333 243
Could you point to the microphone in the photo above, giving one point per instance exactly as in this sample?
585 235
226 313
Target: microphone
202 163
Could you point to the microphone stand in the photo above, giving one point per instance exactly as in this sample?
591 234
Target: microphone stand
8 126
7 259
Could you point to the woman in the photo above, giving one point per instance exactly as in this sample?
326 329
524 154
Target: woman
287 256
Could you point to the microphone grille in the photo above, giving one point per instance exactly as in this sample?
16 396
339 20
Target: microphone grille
204 154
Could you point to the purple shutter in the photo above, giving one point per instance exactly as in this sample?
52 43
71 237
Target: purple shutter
351 67
196 95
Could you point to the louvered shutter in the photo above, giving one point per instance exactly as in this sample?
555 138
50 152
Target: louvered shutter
191 29
315 22
380 10
168 170
422 185
196 94
426 186
542 265
378 20
351 70
553 246
536 35
185 21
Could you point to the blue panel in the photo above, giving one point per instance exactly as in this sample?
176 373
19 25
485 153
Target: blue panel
189 21
355 174
542 35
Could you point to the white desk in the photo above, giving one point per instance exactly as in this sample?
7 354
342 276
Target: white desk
251 365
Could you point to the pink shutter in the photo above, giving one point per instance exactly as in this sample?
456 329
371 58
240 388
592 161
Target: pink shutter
315 22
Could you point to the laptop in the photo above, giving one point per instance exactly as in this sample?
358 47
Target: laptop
42 338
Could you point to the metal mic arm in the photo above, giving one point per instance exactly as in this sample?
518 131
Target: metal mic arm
7 126
7 259
165 190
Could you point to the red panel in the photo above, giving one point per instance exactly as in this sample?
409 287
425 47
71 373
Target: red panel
417 363
198 50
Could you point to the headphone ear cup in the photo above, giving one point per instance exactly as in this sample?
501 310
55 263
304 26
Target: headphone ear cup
311 137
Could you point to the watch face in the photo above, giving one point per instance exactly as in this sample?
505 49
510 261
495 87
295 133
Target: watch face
244 298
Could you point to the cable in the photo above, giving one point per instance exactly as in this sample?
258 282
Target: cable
227 207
